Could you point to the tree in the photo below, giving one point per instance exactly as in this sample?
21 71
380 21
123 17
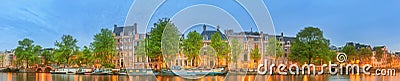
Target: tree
274 48
154 40
2 59
66 49
237 50
366 53
378 52
34 59
255 54
170 43
350 51
140 51
104 47
86 56
48 57
26 52
192 45
221 47
309 45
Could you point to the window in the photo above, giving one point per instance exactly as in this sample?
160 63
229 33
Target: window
255 39
136 43
245 57
140 36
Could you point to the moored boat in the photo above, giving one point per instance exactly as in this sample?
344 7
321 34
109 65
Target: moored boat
147 71
59 71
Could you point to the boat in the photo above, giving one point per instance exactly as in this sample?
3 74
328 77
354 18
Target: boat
71 71
82 71
197 71
98 72
59 71
165 72
106 71
218 71
147 71
122 72
89 73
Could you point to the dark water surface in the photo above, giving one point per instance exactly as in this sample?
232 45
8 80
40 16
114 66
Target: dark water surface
64 77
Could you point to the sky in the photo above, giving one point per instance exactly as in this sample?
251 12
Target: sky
45 21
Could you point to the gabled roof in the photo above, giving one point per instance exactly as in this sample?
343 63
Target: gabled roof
126 30
209 33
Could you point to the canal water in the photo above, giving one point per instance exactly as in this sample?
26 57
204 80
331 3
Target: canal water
64 77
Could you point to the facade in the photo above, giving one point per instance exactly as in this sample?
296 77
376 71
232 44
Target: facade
206 34
380 62
254 39
7 58
2 59
397 53
127 39
358 46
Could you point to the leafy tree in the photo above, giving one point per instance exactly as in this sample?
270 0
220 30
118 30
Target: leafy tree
154 40
378 52
309 45
221 47
274 48
350 51
26 52
140 51
66 49
365 53
192 45
255 54
34 59
237 50
2 56
75 57
48 57
86 56
170 43
104 48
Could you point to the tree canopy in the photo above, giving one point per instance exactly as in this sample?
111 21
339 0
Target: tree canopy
104 47
27 52
350 51
274 48
222 48
310 45
192 44
170 43
66 48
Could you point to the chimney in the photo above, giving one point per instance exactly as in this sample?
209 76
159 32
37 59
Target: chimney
115 26
135 28
204 27
282 34
218 27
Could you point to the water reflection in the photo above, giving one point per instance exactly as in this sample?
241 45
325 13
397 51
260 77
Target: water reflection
63 77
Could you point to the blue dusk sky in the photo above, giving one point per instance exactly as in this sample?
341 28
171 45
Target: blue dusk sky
45 21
